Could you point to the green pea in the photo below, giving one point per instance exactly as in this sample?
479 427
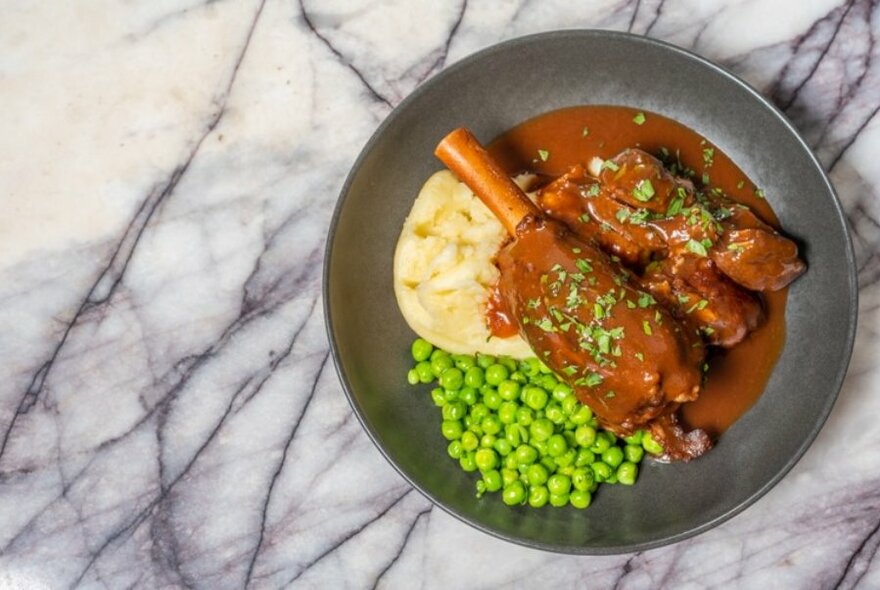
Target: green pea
464 361
473 377
633 453
426 374
412 377
541 446
454 449
478 412
600 445
454 411
469 441
451 429
514 494
518 377
584 457
438 352
525 416
536 474
559 484
582 415
441 364
467 461
562 392
496 373
566 459
439 397
507 412
613 479
541 429
627 473
601 471
493 480
421 350
556 445
491 424
554 413
508 363
486 459
502 446
487 441
582 479
549 463
492 400
513 433
538 496
613 456
651 445
510 461
468 395
509 390
635 438
549 382
558 500
570 405
484 361
535 397
451 379
526 455
580 499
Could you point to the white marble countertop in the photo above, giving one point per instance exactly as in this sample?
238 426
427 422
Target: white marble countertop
169 416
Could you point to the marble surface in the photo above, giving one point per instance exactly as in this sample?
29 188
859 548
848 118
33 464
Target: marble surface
169 416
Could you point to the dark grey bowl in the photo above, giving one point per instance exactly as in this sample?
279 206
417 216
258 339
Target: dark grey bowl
494 90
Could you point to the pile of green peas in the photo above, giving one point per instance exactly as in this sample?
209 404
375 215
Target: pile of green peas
524 430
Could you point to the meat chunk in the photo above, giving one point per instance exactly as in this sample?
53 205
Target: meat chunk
706 301
591 212
587 318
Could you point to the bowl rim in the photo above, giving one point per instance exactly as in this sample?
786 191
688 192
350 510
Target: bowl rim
578 34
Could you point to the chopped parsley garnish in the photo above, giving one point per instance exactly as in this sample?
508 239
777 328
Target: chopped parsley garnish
610 166
640 217
593 190
705 179
696 248
610 395
576 250
738 248
584 218
759 193
740 184
546 325
644 190
640 356
543 154
569 370
708 156
583 265
676 203
645 300
622 215
591 380
639 119
646 327
598 311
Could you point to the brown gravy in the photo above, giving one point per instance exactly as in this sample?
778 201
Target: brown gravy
552 143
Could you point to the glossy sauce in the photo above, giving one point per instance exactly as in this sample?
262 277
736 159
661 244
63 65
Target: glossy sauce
551 144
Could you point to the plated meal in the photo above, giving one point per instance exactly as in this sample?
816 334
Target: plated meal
600 283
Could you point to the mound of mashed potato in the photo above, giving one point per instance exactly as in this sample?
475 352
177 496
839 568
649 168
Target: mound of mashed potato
444 270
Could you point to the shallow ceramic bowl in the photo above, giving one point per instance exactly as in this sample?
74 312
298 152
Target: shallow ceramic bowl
493 91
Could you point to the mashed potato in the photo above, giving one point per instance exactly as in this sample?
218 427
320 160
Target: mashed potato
444 270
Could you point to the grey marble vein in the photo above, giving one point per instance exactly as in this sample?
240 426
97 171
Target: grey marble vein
169 416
